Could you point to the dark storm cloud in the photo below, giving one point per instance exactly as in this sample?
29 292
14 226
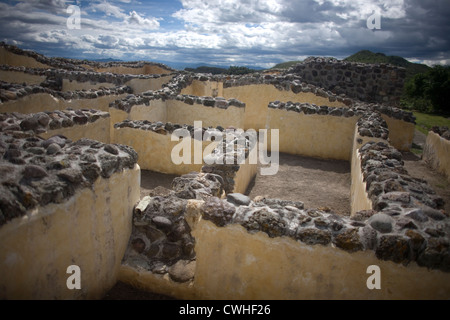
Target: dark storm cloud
235 32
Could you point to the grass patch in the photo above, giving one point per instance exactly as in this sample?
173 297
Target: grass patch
424 122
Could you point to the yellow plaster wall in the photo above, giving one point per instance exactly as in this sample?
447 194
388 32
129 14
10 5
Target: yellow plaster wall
90 230
138 85
21 77
155 111
182 113
39 102
155 149
15 60
73 85
233 264
204 89
33 103
401 133
258 96
98 130
313 135
436 153
359 199
244 176
142 85
146 69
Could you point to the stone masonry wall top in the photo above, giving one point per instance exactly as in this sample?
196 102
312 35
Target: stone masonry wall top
48 120
75 64
294 83
36 171
444 132
9 92
131 100
82 76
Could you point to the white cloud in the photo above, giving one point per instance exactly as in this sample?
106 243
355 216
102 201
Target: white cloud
135 18
108 9
238 31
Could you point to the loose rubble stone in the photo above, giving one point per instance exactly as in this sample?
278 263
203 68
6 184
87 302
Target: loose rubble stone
314 236
348 240
182 271
381 222
238 199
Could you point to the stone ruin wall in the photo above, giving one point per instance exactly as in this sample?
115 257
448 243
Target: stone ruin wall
177 240
381 83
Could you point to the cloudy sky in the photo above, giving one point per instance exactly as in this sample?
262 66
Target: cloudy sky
228 32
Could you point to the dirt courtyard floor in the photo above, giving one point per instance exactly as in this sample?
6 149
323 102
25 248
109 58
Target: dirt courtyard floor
318 183
417 168
315 182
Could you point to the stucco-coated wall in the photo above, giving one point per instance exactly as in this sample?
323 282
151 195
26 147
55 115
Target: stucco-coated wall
313 135
39 102
155 111
244 176
401 133
155 149
142 85
233 264
204 89
258 96
90 230
20 77
16 60
146 69
72 85
138 85
182 113
359 199
437 153
98 130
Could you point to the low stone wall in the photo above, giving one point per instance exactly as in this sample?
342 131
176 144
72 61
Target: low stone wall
380 83
21 77
309 130
35 98
63 208
14 56
436 152
240 251
152 141
18 60
180 109
73 124
257 91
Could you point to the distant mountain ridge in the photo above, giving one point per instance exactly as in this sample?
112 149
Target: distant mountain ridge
366 56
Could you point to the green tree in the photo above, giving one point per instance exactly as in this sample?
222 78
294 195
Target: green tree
235 70
429 92
438 90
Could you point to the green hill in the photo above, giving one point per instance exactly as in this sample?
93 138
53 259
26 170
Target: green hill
367 56
285 65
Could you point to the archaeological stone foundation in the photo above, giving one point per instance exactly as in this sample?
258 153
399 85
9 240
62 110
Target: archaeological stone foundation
75 135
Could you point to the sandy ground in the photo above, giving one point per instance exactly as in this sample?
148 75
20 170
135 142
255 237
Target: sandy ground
418 169
315 182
